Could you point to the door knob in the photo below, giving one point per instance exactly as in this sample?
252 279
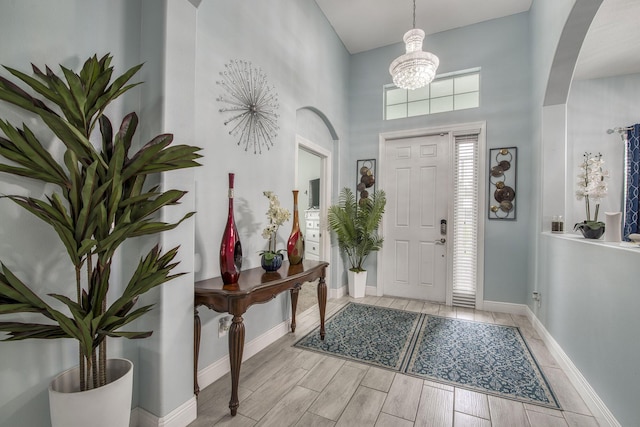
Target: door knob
441 241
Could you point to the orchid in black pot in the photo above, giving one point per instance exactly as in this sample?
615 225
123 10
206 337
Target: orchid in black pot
592 187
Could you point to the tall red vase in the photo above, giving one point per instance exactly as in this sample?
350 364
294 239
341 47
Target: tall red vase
230 248
295 244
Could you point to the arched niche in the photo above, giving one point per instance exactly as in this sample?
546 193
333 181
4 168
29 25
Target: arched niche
555 191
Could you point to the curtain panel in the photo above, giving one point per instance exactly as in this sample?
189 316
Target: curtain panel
631 182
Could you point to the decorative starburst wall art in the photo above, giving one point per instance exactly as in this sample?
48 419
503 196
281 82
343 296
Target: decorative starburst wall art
252 104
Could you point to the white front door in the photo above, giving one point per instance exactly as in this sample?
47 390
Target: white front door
417 183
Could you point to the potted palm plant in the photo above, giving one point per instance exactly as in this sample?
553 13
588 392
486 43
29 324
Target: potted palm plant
356 227
99 200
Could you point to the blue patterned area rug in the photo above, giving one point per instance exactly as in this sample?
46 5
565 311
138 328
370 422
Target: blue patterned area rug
483 357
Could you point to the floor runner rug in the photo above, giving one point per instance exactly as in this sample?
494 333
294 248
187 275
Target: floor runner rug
483 357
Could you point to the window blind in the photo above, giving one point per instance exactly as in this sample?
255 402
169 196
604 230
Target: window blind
465 218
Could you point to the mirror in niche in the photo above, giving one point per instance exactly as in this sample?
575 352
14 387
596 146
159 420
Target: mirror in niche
603 101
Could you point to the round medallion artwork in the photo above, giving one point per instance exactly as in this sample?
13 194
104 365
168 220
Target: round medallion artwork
503 177
251 105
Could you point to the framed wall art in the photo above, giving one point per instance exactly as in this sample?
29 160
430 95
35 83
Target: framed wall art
502 183
366 179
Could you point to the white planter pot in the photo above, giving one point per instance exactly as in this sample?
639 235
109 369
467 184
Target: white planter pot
107 406
357 283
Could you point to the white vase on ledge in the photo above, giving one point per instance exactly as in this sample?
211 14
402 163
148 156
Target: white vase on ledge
612 227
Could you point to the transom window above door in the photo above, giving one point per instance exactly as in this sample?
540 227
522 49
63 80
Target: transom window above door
459 90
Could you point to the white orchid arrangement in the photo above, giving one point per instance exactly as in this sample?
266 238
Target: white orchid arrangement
592 186
277 216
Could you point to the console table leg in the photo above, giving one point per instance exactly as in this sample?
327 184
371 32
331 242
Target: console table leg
236 347
294 306
196 350
322 303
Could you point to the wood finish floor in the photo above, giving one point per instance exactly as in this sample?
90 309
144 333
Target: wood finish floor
286 386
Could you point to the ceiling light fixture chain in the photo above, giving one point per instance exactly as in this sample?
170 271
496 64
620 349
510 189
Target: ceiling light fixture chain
414 14
414 69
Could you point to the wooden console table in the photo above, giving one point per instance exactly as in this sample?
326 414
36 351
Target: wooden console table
254 286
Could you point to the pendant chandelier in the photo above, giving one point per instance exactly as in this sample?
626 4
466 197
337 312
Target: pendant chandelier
414 69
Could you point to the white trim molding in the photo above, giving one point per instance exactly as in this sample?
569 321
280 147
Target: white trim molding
588 394
505 307
181 416
597 407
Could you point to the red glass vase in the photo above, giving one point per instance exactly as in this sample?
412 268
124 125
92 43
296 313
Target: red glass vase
230 247
295 244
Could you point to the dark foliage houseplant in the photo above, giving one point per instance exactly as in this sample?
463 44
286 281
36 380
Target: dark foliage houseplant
356 225
100 201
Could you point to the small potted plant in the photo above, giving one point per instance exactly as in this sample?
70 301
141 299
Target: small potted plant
356 226
271 259
97 199
592 188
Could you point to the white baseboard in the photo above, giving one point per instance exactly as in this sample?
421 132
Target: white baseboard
588 394
182 416
220 367
505 307
337 293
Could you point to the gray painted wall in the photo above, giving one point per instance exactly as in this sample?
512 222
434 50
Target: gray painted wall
67 33
292 42
588 290
593 107
501 48
589 295
308 66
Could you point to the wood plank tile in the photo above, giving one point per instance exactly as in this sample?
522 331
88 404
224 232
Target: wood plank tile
369 299
441 386
542 353
527 329
503 319
446 311
483 316
578 420
290 409
275 388
507 413
435 409
538 419
399 303
472 403
384 302
404 397
217 405
431 308
335 397
255 371
386 420
378 379
465 420
322 373
568 396
415 306
226 421
464 313
307 360
363 408
313 420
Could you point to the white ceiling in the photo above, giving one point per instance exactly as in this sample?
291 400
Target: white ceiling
367 24
612 45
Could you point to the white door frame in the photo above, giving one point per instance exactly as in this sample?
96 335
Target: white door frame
452 130
325 195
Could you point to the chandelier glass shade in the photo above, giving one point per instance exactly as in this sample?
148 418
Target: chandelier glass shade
414 69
